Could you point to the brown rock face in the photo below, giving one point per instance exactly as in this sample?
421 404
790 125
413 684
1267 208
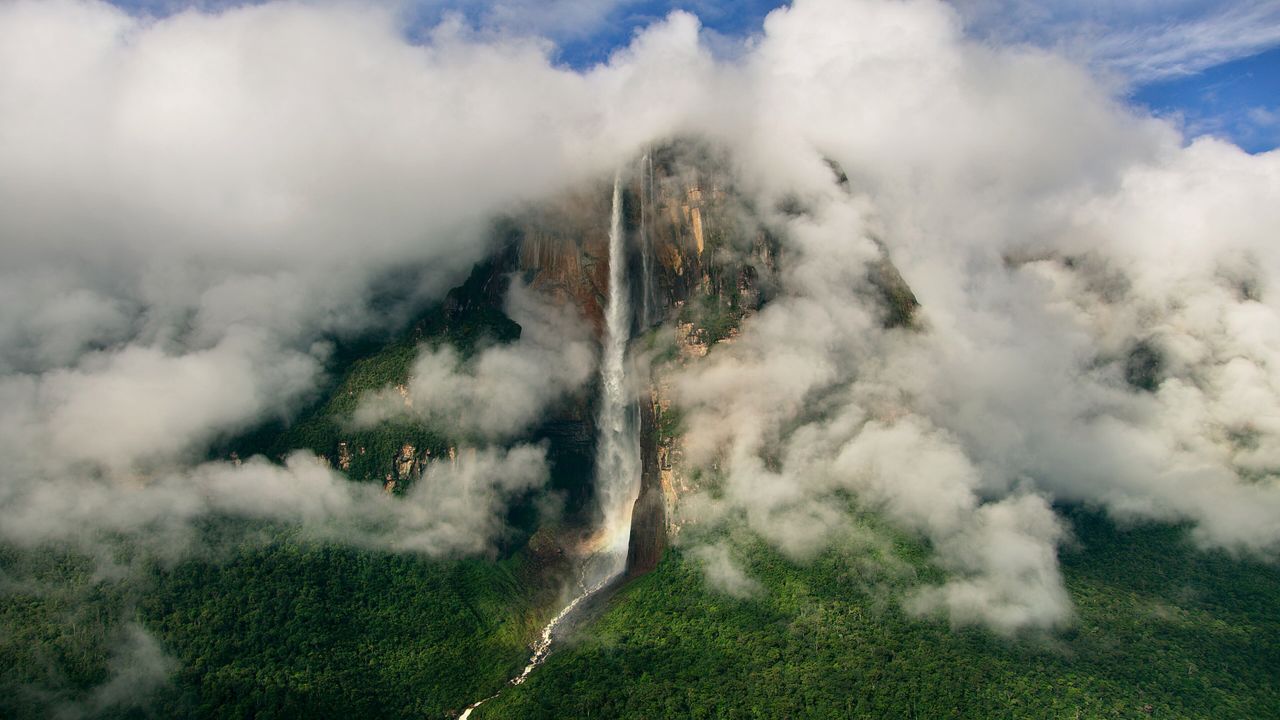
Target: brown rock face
563 250
649 515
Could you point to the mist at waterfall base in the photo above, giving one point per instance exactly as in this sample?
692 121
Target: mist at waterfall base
208 200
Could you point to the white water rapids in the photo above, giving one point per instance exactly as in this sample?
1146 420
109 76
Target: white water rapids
618 449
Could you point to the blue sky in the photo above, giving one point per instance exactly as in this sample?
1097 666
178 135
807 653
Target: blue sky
1213 67
1238 99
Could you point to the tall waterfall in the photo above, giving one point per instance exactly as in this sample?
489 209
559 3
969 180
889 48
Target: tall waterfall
618 453
618 450
647 299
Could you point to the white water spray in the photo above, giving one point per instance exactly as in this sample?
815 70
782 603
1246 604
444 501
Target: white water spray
618 452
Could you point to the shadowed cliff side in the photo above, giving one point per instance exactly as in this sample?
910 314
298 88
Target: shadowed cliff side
648 517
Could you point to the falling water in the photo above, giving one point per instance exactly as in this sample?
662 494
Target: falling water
618 454
646 245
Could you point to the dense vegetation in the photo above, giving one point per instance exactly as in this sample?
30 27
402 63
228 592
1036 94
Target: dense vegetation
289 628
282 629
293 630
1163 631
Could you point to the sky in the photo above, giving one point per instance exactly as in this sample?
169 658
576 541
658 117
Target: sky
1209 67
1239 99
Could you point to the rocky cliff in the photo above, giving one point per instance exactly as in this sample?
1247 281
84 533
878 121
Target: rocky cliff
648 517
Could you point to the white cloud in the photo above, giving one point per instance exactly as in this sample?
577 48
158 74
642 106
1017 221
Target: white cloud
1135 41
505 389
962 156
722 572
456 507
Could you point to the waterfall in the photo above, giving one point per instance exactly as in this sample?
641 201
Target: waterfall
646 244
617 455
618 451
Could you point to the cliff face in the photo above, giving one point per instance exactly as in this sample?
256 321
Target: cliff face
648 517
688 235
562 248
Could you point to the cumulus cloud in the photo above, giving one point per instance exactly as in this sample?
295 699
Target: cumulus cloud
1178 260
1048 232
504 389
265 164
118 409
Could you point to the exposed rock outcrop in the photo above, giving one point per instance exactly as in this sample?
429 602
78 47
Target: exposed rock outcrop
898 304
562 248
344 456
648 517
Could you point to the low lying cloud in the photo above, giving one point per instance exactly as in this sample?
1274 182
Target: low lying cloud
1049 233
722 572
138 667
504 389
196 207
121 409
456 507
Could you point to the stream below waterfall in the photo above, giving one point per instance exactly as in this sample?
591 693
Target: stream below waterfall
561 625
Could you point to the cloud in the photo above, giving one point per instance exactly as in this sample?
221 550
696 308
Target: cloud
119 409
1048 232
722 573
1005 569
285 154
457 506
1138 41
504 389
138 667
1185 247
560 19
